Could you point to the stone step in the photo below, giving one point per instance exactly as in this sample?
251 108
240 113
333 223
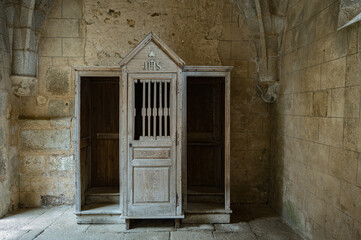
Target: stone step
206 198
100 214
205 195
102 195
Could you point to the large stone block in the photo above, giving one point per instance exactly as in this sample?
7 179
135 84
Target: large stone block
352 101
32 165
72 8
333 73
61 28
302 104
45 139
30 108
352 134
307 128
353 70
55 11
317 156
334 137
350 200
352 39
60 108
320 103
316 208
50 47
73 47
343 164
328 188
67 188
30 199
39 184
338 224
301 58
311 80
335 45
60 165
337 102
316 52
327 21
58 80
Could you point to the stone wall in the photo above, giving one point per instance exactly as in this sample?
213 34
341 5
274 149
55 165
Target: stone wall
46 162
9 178
316 131
46 144
91 32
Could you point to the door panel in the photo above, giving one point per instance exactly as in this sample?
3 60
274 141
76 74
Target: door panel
149 185
152 145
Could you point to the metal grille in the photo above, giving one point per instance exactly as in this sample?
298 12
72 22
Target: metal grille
152 109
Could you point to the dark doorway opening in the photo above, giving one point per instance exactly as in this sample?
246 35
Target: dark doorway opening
205 141
99 139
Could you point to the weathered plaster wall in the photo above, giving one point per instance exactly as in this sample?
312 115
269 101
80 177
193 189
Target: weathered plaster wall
316 124
94 32
9 178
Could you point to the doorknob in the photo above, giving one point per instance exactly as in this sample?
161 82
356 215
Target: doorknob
130 145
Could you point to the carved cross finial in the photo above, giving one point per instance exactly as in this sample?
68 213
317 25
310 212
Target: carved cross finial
151 54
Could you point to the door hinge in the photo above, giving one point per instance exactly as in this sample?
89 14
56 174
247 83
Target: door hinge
177 139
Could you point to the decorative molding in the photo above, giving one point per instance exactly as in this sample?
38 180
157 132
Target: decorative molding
207 68
153 37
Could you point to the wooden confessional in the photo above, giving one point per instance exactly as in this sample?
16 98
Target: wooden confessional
152 139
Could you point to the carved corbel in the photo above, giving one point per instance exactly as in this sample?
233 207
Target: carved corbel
23 86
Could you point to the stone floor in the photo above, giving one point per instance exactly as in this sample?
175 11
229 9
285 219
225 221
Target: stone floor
249 223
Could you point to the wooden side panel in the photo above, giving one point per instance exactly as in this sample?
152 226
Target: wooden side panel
204 166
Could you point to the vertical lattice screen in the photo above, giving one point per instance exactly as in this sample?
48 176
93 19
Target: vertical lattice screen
152 109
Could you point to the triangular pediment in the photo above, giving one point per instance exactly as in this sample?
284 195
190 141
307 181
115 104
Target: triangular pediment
152 38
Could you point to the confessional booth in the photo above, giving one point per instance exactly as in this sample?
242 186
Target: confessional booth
152 139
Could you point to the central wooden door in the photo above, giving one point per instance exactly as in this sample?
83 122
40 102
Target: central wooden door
152 145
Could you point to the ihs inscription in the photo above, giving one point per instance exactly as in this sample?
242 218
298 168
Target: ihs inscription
152 64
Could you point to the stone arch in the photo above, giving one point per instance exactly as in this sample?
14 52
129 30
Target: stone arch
267 19
25 19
